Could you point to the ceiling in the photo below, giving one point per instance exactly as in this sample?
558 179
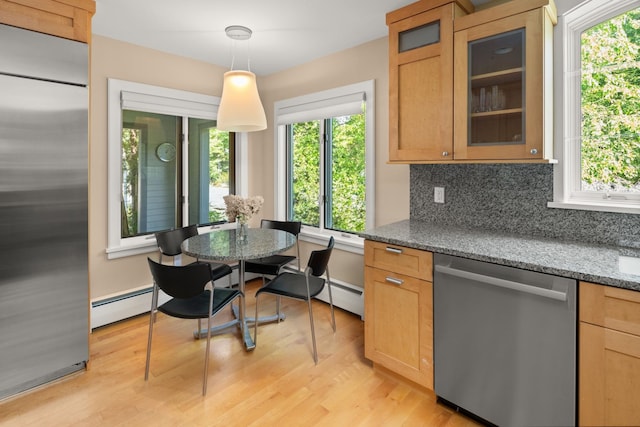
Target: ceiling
286 33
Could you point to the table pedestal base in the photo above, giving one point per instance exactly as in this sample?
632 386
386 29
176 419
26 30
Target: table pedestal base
262 319
248 341
218 329
222 245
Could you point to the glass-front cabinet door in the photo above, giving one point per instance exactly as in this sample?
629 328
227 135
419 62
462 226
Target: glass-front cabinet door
499 94
497 91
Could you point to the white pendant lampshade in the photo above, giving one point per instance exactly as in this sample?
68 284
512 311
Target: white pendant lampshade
240 106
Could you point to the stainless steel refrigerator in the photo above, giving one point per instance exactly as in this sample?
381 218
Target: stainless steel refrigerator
44 291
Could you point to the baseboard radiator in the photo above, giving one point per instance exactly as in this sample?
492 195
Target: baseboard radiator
119 307
345 296
124 305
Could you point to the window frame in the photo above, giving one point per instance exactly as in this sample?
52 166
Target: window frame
174 102
326 100
567 191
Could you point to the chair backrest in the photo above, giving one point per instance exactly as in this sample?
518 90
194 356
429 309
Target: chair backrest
180 282
292 227
169 241
318 260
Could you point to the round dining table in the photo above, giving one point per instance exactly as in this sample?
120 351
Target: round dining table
227 245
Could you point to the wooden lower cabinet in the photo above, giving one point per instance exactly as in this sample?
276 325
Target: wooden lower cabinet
399 315
609 356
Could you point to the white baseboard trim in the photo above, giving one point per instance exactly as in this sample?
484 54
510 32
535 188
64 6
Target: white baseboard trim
122 306
116 307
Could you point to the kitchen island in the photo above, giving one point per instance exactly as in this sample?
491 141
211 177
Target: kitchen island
617 266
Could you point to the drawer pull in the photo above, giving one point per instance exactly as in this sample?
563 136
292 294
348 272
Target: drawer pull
394 250
394 280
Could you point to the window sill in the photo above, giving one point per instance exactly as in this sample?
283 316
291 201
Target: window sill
131 250
343 242
628 208
145 244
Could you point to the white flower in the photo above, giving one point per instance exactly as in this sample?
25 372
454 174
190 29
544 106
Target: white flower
241 208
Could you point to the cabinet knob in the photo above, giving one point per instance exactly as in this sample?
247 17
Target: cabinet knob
534 151
445 153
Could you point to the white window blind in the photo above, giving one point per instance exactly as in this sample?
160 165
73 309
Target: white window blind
304 109
198 108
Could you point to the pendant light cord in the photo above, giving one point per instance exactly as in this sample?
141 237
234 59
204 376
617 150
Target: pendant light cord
249 55
233 54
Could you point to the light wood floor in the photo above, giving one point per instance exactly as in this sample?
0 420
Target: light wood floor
277 384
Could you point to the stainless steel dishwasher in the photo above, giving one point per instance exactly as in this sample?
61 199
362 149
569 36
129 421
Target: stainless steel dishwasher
505 342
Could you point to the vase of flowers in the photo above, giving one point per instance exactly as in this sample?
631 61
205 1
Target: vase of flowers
241 231
241 209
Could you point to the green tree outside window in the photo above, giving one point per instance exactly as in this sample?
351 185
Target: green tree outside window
610 90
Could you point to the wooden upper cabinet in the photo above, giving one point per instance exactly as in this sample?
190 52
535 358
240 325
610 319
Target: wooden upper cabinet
421 80
503 82
69 19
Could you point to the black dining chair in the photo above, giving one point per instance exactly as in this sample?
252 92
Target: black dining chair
272 265
193 297
170 242
303 286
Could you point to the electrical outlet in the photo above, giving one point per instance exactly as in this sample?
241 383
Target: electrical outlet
438 194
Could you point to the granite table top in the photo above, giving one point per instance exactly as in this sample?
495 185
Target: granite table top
607 265
223 245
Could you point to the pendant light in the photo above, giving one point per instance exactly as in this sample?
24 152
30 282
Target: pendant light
240 106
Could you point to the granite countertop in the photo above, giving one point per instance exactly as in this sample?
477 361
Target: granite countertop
606 265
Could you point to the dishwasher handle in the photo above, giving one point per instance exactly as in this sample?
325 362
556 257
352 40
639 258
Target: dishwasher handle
509 284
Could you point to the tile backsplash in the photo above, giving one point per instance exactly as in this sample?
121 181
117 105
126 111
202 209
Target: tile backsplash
511 198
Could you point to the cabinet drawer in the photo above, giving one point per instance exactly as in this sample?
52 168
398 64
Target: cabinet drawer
611 307
399 259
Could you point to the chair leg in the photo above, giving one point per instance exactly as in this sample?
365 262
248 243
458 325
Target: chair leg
231 287
146 368
255 324
152 319
333 317
313 333
197 336
154 305
206 357
278 299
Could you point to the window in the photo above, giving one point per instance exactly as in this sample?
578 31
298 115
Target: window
168 164
599 125
325 163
